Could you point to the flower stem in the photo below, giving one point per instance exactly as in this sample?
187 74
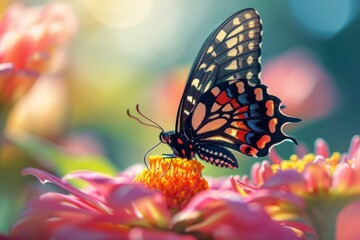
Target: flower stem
322 213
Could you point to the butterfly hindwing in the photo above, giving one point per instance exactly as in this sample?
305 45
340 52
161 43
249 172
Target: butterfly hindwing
239 116
232 51
216 155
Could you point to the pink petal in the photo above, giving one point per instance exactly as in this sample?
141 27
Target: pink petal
265 171
283 178
274 156
301 150
322 148
92 230
255 173
139 204
354 146
223 215
344 177
220 183
47 177
317 177
100 184
55 202
268 197
142 234
347 224
239 186
302 227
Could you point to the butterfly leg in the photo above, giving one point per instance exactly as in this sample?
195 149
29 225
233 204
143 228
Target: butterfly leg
167 155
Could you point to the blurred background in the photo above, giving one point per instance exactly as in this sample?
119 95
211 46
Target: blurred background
122 53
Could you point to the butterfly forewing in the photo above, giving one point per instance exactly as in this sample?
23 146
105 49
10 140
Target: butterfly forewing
231 52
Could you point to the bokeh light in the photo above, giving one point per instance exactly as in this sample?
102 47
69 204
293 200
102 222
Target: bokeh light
323 18
119 14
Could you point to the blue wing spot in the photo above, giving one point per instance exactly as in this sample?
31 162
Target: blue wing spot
243 98
249 136
254 106
229 93
255 114
253 124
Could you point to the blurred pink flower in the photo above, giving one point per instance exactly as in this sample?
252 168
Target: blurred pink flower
119 208
43 111
30 42
82 144
305 88
170 86
311 187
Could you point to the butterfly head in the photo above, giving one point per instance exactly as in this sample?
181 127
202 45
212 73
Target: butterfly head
180 145
165 137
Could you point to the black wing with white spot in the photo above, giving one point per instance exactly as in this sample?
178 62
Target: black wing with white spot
232 51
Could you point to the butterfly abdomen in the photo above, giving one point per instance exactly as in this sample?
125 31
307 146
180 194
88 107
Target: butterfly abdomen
216 155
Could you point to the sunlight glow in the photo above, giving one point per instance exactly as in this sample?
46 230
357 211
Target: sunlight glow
119 14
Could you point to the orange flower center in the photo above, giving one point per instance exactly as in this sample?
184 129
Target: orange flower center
178 179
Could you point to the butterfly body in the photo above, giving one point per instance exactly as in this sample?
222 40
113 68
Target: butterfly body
224 105
181 145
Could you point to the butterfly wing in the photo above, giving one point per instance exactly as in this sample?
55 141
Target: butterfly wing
237 115
232 51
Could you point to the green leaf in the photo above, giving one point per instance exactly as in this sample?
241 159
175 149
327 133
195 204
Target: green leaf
52 156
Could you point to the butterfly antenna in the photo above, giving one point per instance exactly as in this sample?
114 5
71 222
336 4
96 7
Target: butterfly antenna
157 125
141 122
147 152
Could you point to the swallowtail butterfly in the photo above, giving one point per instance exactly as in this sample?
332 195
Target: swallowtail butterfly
224 105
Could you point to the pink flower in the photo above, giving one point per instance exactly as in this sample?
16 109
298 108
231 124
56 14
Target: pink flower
117 207
304 87
49 120
224 215
312 187
30 39
170 87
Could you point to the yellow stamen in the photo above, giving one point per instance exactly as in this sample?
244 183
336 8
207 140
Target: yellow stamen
178 179
299 164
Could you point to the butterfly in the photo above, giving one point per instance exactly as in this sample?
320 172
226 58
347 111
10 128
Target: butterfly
224 105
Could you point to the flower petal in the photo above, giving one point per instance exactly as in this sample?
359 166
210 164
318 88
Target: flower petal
317 176
343 177
283 178
347 223
140 206
322 148
47 177
223 215
354 146
268 197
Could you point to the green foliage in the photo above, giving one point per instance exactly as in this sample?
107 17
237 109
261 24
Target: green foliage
51 155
